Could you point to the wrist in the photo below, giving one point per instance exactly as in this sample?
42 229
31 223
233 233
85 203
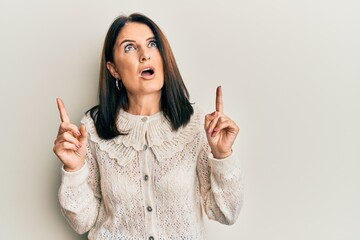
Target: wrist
75 169
221 155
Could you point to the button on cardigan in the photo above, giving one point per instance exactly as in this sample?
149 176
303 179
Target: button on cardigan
153 183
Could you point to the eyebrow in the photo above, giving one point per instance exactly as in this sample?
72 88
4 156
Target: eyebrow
128 40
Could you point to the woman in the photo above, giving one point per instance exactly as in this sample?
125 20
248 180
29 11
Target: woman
141 166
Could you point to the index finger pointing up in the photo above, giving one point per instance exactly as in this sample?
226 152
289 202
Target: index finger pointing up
219 101
63 114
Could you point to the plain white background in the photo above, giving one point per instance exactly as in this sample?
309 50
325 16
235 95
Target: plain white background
290 76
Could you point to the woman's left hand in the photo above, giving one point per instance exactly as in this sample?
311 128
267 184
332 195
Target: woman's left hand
221 131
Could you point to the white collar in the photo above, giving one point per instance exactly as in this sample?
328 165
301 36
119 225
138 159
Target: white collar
154 131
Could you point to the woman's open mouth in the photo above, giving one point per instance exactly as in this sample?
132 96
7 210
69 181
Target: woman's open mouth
147 73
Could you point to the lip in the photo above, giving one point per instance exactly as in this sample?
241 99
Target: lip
147 68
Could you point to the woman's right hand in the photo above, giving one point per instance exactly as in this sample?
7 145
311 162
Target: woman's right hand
71 142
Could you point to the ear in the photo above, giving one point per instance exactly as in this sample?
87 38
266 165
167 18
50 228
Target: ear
111 67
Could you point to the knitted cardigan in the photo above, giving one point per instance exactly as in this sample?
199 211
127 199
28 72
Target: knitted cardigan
153 183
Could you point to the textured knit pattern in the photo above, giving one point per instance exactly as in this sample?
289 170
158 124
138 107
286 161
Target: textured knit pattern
152 182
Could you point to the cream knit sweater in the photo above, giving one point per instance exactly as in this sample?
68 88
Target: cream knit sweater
153 183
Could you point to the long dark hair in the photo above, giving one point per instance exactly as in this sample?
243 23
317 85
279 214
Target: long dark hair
174 103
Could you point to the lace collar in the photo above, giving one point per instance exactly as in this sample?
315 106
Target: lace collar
152 132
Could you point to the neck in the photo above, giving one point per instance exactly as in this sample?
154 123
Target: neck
146 105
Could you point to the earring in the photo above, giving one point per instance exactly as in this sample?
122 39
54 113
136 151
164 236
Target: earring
118 85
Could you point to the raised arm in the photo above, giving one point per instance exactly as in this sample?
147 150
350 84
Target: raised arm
79 193
220 175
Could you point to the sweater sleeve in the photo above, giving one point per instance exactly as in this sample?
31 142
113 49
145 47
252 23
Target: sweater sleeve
221 185
79 194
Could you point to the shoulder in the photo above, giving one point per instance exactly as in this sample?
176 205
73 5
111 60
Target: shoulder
198 116
89 123
195 124
87 120
198 110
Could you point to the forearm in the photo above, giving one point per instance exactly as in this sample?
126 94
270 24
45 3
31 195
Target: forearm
224 197
79 203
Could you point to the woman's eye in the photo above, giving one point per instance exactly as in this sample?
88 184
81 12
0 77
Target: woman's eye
153 44
129 47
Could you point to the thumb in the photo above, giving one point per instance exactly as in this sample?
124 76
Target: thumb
84 134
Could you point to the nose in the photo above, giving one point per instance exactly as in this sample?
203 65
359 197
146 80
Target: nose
145 55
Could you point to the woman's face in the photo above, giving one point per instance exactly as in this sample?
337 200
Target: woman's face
137 60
